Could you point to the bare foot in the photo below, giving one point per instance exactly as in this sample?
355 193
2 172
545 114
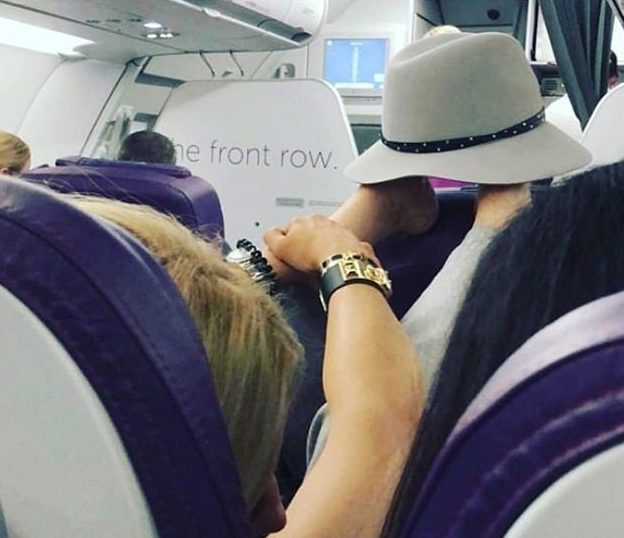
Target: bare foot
376 211
408 204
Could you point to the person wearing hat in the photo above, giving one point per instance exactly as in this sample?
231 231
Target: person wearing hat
465 107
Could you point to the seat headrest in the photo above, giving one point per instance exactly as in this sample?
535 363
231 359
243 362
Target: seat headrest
603 135
167 188
118 315
555 404
159 168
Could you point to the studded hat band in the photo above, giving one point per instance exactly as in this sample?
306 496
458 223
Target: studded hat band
467 142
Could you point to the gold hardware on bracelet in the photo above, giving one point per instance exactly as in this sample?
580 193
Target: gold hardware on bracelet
340 270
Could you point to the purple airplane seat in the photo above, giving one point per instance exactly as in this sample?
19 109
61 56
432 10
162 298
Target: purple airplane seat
110 424
167 188
414 261
540 452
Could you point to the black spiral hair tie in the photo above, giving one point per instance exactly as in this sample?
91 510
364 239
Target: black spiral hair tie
258 268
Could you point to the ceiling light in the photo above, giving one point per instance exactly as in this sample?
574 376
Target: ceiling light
212 13
165 34
153 25
27 36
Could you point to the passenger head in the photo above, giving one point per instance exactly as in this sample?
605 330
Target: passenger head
444 29
614 75
465 107
559 253
253 353
147 147
14 154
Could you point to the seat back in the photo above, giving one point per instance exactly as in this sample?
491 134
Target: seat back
167 188
540 452
110 425
414 261
604 133
287 159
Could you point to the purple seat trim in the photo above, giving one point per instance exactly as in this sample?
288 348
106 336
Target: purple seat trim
560 339
167 169
556 403
167 188
120 317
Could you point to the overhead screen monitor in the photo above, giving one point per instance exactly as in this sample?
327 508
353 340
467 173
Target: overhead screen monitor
356 65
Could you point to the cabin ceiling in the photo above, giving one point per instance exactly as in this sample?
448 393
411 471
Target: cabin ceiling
508 16
337 8
116 27
484 14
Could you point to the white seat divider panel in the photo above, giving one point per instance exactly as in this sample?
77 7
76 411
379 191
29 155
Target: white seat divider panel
272 149
584 503
63 470
604 133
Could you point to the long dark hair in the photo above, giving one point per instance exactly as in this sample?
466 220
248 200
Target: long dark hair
561 252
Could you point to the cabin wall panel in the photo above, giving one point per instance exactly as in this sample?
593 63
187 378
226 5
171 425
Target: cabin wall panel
254 65
65 110
427 15
24 73
371 14
146 99
430 10
295 64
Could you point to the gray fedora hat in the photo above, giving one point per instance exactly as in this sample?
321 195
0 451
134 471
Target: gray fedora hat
465 107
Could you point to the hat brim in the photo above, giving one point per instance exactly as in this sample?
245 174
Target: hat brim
542 153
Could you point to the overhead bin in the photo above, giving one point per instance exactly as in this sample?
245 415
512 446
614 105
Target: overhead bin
125 29
297 20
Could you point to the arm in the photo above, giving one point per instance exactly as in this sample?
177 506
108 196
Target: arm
372 384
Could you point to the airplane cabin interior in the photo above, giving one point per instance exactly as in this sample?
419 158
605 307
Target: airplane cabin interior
110 423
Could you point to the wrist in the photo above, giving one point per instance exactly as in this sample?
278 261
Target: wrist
340 270
251 260
332 250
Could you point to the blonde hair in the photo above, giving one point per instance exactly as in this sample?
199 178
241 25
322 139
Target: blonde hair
444 29
252 351
14 153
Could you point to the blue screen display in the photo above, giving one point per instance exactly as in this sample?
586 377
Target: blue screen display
356 63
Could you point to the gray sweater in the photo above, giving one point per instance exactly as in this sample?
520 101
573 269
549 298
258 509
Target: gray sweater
431 319
428 323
